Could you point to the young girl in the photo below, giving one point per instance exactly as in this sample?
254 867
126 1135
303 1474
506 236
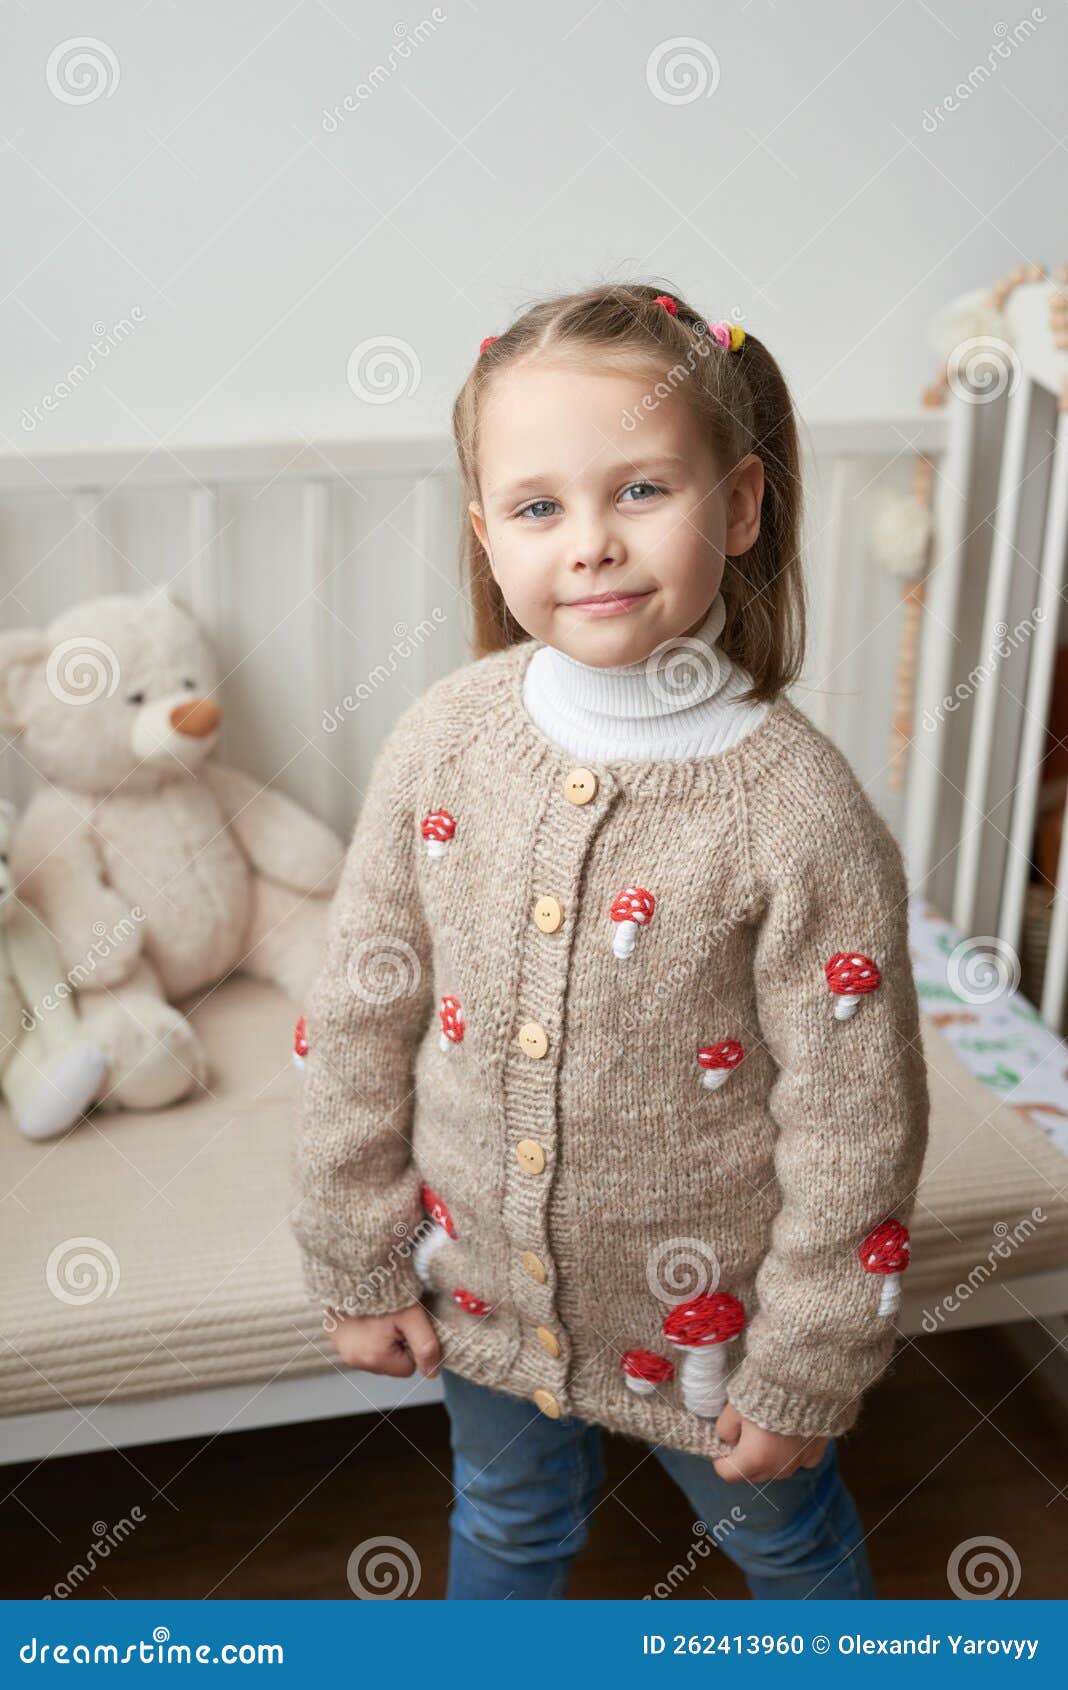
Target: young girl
614 1103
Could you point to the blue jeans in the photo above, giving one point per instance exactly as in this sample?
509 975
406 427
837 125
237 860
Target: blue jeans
527 1485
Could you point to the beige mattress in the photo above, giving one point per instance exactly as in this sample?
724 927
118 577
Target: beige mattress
191 1275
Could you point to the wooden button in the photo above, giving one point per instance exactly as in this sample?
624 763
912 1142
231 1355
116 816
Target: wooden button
530 1155
548 1340
580 786
548 913
548 1404
534 1266
533 1038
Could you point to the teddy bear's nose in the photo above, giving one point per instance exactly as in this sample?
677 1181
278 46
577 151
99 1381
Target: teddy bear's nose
197 717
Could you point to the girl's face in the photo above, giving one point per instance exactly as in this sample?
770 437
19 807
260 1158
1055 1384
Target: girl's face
576 504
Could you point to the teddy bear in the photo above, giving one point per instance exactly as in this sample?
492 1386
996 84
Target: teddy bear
159 870
49 1072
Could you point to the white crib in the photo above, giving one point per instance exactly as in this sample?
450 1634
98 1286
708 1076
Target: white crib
327 573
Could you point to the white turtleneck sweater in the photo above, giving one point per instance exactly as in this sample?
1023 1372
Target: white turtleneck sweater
679 702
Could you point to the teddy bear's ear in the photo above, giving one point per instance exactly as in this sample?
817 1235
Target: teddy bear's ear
178 602
21 651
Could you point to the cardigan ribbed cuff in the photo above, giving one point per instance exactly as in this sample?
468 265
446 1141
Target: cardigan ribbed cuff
380 1291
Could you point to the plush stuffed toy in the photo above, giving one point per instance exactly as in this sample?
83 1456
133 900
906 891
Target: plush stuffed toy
158 871
49 1073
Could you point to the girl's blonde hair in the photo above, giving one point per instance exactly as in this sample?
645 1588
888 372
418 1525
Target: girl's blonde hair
742 403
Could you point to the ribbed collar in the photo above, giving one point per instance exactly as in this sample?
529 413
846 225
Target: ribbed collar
679 702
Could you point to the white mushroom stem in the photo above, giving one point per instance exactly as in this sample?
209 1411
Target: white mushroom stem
435 848
845 1006
427 1245
298 1060
704 1385
640 1387
713 1078
891 1297
625 935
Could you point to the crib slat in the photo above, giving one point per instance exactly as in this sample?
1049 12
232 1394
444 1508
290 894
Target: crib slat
941 611
317 516
992 700
1053 562
833 594
1032 745
203 576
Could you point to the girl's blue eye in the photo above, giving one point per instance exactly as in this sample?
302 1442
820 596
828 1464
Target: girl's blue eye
528 510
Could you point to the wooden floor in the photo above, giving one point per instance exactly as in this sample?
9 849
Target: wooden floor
955 1443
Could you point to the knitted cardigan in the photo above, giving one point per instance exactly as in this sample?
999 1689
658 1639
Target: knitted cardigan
618 1067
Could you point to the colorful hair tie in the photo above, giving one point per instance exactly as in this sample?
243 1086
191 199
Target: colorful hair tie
490 338
668 303
728 335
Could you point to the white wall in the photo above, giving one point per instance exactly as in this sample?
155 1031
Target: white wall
819 187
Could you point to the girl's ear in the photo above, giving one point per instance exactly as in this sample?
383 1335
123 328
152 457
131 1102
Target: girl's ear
478 523
21 652
743 506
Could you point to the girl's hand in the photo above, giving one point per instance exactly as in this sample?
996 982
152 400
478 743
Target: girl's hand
388 1343
759 1455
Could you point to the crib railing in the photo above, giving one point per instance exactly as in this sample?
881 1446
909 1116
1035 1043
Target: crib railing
327 574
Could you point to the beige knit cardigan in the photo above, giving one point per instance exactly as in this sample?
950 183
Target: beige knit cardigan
495 1095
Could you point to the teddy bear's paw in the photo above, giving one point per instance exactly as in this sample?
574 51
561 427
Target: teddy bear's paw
156 1065
68 1087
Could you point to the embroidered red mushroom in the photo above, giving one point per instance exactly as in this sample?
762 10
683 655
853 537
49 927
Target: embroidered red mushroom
850 975
437 829
442 1230
451 1017
701 1327
631 910
644 1370
887 1250
471 1304
718 1061
300 1042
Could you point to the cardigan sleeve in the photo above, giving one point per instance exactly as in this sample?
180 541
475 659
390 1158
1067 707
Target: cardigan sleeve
358 1192
850 1104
